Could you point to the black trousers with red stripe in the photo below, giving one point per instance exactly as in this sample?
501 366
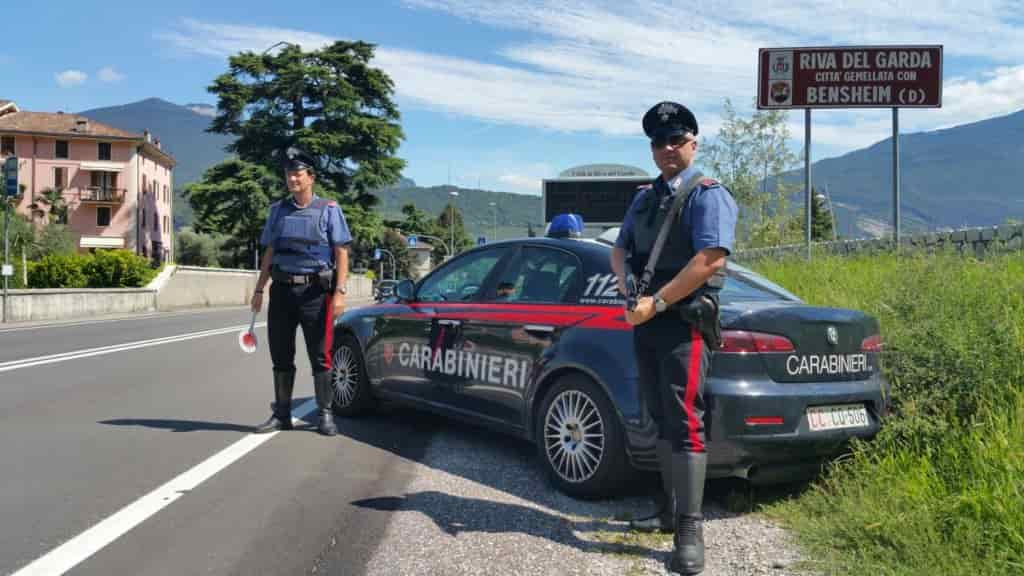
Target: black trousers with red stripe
293 305
673 363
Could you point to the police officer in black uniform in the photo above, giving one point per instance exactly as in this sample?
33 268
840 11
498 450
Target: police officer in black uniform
674 321
306 254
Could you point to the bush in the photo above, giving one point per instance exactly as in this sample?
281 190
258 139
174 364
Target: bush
117 269
58 271
104 269
54 239
194 249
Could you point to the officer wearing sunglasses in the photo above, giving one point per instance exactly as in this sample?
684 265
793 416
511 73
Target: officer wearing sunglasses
672 356
306 254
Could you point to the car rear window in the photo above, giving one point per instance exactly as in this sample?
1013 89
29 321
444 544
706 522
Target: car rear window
742 288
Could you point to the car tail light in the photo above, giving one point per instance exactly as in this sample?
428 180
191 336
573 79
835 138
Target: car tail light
763 420
872 343
744 341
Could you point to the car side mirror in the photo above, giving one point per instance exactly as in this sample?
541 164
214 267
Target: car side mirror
404 290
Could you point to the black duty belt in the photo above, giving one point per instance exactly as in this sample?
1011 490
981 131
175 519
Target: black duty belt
286 278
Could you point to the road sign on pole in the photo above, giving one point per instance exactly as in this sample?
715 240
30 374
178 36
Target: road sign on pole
851 77
412 240
10 190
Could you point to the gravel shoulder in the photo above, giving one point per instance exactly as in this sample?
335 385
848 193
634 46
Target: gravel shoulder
479 504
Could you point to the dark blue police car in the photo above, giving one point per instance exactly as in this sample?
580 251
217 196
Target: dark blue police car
528 337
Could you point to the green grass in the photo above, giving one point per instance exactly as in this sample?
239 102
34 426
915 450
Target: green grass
941 489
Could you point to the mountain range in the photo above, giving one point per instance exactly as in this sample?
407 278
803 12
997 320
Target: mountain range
967 175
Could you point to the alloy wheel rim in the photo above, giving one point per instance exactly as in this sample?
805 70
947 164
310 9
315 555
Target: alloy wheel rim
574 436
344 376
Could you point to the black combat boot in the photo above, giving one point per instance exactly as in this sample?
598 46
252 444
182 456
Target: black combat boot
281 418
664 519
688 476
323 384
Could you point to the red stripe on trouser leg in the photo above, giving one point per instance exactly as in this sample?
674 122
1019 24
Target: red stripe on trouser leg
328 331
693 374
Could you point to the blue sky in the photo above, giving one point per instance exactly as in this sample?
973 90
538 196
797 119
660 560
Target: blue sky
503 94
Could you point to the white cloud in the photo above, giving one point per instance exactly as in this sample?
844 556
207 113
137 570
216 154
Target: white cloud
222 40
108 74
70 78
597 67
526 179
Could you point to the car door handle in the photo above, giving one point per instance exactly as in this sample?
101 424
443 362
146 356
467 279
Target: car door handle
541 330
450 322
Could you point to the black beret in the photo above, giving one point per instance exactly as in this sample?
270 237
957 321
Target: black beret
296 159
668 119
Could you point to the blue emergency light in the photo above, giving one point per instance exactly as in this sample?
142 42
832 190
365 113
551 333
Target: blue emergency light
566 226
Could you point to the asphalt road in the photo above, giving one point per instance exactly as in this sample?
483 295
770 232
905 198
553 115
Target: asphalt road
83 436
126 448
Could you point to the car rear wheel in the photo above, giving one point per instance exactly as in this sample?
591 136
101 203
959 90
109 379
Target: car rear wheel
579 439
352 395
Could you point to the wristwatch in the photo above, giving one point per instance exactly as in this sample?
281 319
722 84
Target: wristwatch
659 304
340 290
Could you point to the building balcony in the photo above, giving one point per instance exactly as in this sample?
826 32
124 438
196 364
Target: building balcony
101 195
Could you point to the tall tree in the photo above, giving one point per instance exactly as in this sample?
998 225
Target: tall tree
416 221
330 102
822 226
233 199
749 156
443 230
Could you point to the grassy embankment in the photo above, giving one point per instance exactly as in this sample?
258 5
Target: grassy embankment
941 490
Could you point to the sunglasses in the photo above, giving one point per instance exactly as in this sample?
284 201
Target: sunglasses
674 141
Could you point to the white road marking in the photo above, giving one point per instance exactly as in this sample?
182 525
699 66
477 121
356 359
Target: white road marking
74 355
126 318
74 551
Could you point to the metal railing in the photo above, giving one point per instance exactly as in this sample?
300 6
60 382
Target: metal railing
101 194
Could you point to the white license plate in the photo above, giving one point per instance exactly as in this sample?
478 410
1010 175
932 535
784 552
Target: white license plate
837 417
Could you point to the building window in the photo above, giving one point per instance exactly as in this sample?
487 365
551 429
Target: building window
143 219
104 151
103 180
165 194
61 149
103 216
60 178
156 223
167 222
6 145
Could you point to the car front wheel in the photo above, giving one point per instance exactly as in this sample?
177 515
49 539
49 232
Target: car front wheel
579 439
352 395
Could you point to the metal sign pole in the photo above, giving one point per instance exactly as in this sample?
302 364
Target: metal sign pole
896 177
807 178
7 225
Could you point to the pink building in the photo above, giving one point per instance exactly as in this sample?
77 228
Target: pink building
117 185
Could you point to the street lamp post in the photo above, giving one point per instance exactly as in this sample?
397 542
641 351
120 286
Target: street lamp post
451 219
494 226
